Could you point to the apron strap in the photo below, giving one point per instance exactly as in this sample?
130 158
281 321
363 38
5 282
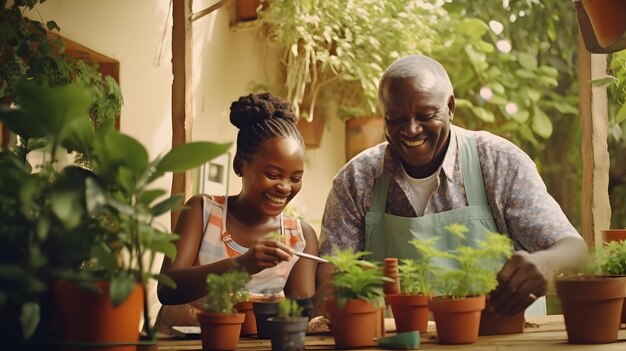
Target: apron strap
379 196
470 166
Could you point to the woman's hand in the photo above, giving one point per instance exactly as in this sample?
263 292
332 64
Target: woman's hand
263 254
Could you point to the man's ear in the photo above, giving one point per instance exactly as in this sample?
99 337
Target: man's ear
451 106
237 166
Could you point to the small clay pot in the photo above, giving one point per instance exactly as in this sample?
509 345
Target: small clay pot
457 321
409 311
592 307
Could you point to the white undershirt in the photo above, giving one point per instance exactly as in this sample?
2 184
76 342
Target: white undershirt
420 190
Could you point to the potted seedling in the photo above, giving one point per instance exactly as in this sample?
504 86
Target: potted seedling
410 306
593 300
461 285
264 308
288 329
358 299
220 322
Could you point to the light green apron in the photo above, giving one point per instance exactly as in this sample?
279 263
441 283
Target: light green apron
387 235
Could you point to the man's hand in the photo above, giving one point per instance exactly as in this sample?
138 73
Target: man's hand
263 254
521 281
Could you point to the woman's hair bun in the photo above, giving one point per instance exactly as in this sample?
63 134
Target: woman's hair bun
252 109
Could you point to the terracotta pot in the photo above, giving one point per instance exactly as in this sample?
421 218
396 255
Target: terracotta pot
249 324
89 317
288 334
362 133
220 331
592 307
390 270
609 235
608 19
457 321
493 324
246 9
357 324
409 311
619 235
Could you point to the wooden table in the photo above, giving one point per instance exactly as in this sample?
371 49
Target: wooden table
544 333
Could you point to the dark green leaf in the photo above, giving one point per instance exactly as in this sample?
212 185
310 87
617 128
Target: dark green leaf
167 205
165 280
166 247
121 287
148 196
52 25
29 318
191 155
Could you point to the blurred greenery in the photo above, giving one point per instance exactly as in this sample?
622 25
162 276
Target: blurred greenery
513 65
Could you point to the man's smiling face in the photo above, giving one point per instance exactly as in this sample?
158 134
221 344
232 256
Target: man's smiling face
417 111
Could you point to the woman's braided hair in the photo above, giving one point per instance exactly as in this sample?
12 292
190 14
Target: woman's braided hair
261 117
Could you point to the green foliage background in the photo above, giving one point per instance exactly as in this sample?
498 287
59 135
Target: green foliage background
341 48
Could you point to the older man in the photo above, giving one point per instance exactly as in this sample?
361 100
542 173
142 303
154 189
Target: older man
431 173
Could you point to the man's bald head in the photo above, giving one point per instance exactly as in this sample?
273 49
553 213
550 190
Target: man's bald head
429 73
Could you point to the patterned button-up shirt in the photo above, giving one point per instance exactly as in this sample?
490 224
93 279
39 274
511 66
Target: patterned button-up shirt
521 206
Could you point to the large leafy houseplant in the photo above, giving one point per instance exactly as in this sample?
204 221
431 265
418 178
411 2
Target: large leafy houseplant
77 223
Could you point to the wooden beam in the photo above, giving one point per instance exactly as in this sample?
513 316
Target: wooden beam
181 91
596 208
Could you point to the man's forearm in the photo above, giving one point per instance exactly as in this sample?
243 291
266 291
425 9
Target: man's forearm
565 255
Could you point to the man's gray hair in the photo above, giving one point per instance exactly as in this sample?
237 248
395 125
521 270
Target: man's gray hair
410 67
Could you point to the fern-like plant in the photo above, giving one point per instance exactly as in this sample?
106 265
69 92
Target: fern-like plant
225 291
416 274
475 268
356 278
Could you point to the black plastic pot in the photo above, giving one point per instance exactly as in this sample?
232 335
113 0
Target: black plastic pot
288 333
263 311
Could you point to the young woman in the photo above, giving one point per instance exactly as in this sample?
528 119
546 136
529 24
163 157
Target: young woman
218 233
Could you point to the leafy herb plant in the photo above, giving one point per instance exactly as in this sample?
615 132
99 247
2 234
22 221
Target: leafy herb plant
356 278
609 259
289 309
416 274
475 267
225 291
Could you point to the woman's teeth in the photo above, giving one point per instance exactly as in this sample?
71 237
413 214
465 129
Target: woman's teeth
277 200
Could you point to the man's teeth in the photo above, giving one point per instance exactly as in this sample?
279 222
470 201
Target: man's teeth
278 200
414 143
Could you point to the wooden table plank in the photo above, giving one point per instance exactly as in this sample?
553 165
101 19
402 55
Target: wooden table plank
541 333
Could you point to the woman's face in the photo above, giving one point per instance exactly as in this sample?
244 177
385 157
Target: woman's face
273 175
